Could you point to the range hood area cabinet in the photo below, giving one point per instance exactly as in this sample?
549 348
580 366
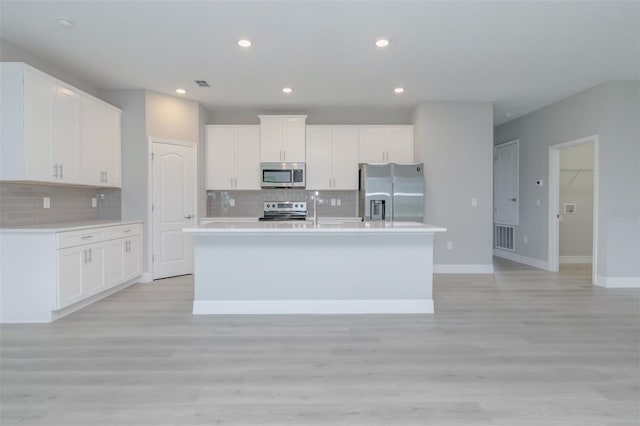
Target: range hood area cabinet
332 157
55 133
282 138
233 157
386 144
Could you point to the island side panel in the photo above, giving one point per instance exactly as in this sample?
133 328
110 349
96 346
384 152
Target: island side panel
313 273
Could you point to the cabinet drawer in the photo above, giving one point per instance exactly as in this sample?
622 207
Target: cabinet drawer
76 238
123 231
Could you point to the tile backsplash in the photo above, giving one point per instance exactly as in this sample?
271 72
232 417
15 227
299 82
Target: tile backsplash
251 203
22 204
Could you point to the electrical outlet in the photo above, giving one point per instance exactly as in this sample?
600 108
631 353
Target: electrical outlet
46 203
526 239
449 245
333 202
94 202
232 202
474 202
538 202
338 202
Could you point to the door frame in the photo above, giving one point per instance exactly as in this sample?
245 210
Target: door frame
151 141
553 260
495 153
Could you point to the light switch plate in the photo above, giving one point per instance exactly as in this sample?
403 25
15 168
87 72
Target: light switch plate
449 245
232 202
46 203
333 202
538 202
338 202
94 202
474 202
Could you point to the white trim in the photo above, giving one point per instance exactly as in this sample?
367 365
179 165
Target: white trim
463 269
540 264
618 282
576 259
553 249
297 307
151 141
145 278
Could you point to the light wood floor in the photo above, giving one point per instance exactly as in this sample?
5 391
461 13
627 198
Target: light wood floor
525 347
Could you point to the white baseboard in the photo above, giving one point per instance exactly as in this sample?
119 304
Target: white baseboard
576 259
262 307
618 282
463 269
145 278
540 264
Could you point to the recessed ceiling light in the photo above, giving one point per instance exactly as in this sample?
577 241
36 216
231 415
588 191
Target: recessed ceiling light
399 90
287 90
243 42
181 91
382 42
65 23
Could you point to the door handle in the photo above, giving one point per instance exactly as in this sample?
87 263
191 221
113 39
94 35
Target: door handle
189 217
513 199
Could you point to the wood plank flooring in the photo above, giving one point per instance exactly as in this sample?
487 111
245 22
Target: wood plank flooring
525 347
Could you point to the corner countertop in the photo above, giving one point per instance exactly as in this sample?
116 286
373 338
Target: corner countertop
66 226
307 227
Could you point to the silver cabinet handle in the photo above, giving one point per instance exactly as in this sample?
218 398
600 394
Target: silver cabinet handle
90 256
189 217
284 155
61 171
235 182
231 182
127 230
106 176
55 170
84 256
86 237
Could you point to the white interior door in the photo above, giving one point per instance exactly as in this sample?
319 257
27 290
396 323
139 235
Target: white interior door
173 208
505 197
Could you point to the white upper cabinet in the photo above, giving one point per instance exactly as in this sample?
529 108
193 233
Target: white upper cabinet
282 138
332 157
99 144
385 144
233 157
44 137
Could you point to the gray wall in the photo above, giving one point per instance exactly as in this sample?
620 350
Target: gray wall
318 115
9 52
454 141
203 119
576 187
611 111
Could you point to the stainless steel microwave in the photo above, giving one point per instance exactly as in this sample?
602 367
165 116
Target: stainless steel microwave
282 175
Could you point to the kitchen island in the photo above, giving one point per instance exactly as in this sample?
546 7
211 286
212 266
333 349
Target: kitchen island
303 268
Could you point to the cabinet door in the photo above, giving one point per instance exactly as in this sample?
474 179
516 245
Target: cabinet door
400 144
220 158
294 149
91 134
93 277
64 134
372 144
133 258
71 263
38 104
319 158
271 135
114 262
247 157
345 158
110 147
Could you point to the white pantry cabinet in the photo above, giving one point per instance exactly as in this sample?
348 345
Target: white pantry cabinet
385 144
233 157
332 157
74 268
43 135
282 138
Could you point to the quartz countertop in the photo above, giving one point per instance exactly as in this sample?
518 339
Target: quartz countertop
335 226
67 226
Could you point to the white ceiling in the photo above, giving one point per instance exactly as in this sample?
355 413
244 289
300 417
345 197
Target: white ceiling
520 55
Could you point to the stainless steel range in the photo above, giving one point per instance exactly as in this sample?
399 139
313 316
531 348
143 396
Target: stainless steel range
285 210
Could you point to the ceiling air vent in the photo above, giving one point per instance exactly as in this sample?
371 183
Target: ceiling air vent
202 83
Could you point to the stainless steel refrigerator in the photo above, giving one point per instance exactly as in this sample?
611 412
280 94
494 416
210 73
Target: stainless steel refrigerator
392 192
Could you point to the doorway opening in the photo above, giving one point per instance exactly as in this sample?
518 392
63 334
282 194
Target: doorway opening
573 201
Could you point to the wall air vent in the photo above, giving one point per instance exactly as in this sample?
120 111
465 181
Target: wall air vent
503 237
202 83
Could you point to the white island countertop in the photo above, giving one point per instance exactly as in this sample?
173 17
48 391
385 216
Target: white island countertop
308 227
66 226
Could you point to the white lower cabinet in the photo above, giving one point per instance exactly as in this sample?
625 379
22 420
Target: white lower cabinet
71 266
